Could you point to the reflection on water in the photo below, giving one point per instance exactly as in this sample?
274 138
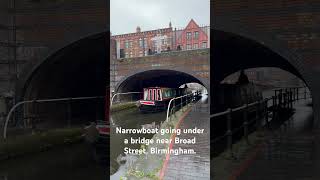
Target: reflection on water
128 119
67 163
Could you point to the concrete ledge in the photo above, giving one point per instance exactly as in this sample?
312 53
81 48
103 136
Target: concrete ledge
122 106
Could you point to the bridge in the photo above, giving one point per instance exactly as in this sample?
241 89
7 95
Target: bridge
282 34
55 49
267 33
170 69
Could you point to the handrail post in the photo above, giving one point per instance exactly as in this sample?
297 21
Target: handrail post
305 93
291 99
257 115
245 123
69 112
174 107
266 113
229 132
274 99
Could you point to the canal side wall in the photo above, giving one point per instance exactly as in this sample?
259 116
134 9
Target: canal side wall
123 106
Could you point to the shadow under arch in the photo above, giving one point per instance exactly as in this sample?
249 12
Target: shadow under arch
268 41
237 48
233 52
157 77
76 70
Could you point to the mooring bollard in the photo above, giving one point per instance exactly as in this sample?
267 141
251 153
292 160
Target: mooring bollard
229 132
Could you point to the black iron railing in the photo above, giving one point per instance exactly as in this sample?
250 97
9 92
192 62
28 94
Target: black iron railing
263 110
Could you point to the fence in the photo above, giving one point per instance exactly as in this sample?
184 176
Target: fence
179 102
125 97
283 98
42 101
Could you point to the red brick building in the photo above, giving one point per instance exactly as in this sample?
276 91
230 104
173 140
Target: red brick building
143 43
192 37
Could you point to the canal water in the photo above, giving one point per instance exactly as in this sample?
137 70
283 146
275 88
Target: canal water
131 118
65 163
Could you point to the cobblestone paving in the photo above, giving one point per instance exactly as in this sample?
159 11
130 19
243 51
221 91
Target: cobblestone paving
292 153
195 166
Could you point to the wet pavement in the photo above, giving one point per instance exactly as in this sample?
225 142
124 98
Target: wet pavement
193 166
289 153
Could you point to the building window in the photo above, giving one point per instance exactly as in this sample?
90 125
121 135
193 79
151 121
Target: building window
189 35
141 42
140 53
145 42
195 46
127 55
131 54
196 35
204 44
127 44
189 46
131 44
122 54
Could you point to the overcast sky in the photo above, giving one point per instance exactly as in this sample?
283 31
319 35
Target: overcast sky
126 15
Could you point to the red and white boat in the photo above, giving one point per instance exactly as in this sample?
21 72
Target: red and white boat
156 99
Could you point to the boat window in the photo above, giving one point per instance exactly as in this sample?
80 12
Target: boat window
150 94
154 94
159 95
168 93
145 94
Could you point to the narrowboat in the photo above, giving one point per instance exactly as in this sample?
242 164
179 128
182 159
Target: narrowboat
156 99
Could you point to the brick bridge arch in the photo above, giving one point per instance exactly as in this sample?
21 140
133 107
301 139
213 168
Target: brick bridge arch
297 63
167 69
76 70
51 37
173 78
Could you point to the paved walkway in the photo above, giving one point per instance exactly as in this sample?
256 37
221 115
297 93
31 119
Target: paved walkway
291 153
195 166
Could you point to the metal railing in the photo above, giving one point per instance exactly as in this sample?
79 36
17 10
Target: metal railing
126 93
184 100
283 98
40 101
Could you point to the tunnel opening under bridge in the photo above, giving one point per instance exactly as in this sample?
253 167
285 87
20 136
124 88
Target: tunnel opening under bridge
156 78
77 70
234 52
237 51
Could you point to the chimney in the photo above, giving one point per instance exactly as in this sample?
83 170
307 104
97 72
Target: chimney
138 29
